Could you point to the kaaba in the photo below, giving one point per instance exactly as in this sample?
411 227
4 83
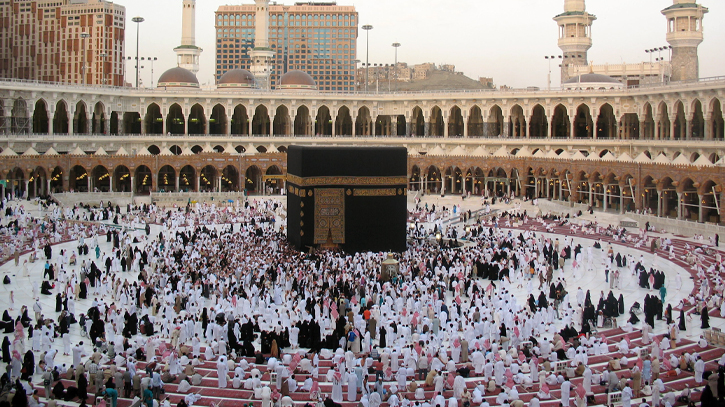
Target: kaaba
353 198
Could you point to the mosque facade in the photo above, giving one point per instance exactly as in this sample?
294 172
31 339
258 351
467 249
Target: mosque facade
654 148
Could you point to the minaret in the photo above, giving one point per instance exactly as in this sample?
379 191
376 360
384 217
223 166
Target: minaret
262 55
575 35
684 33
187 54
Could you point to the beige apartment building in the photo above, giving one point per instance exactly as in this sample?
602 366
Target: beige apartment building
46 41
318 38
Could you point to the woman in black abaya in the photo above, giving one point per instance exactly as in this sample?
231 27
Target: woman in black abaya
6 350
682 325
668 314
8 323
705 317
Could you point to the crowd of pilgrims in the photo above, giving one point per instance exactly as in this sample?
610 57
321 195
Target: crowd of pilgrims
239 290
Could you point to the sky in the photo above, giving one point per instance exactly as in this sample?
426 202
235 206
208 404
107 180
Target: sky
503 39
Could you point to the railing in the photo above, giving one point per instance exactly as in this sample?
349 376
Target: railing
260 137
372 94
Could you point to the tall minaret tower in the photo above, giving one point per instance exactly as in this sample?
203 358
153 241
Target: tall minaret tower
684 33
187 54
262 55
575 35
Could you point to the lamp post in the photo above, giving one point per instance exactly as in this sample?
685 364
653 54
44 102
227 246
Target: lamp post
548 78
103 55
151 59
396 45
138 21
84 35
367 27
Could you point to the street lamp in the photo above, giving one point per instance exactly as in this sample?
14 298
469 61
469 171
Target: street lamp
103 67
151 59
548 79
367 27
84 35
396 45
138 21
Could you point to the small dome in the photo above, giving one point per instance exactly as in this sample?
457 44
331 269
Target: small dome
236 78
178 78
592 81
296 80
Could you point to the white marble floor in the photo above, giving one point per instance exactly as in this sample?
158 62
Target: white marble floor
22 287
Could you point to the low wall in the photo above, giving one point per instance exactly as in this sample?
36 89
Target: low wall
68 199
678 227
182 198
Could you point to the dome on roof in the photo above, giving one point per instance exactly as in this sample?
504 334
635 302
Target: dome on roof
178 78
236 78
296 80
592 81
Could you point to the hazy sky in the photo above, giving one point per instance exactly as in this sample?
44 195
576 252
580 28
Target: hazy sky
504 39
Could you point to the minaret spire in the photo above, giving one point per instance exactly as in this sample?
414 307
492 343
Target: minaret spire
684 33
575 35
262 54
187 54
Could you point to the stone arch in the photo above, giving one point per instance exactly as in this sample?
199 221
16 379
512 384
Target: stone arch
538 125
167 179
218 120
187 178
583 126
230 179
56 180
709 200
121 179
323 122
668 193
697 124
455 122
37 185
716 123
343 122
101 179
253 179
19 121
154 120
680 125
647 132
153 149
132 122
436 122
144 180
433 180
208 179
260 121
78 179
98 119
663 124
80 119
303 123
606 122
453 180
364 123
60 118
417 123
40 117
648 194
475 122
690 199
175 120
495 124
517 126
240 149
197 120
197 149
415 180
16 182
282 126
240 120
261 149
273 186
218 148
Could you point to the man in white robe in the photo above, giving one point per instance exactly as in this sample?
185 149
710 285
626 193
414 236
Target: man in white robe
222 370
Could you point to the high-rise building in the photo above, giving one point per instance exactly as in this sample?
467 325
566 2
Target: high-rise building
70 41
318 38
575 35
